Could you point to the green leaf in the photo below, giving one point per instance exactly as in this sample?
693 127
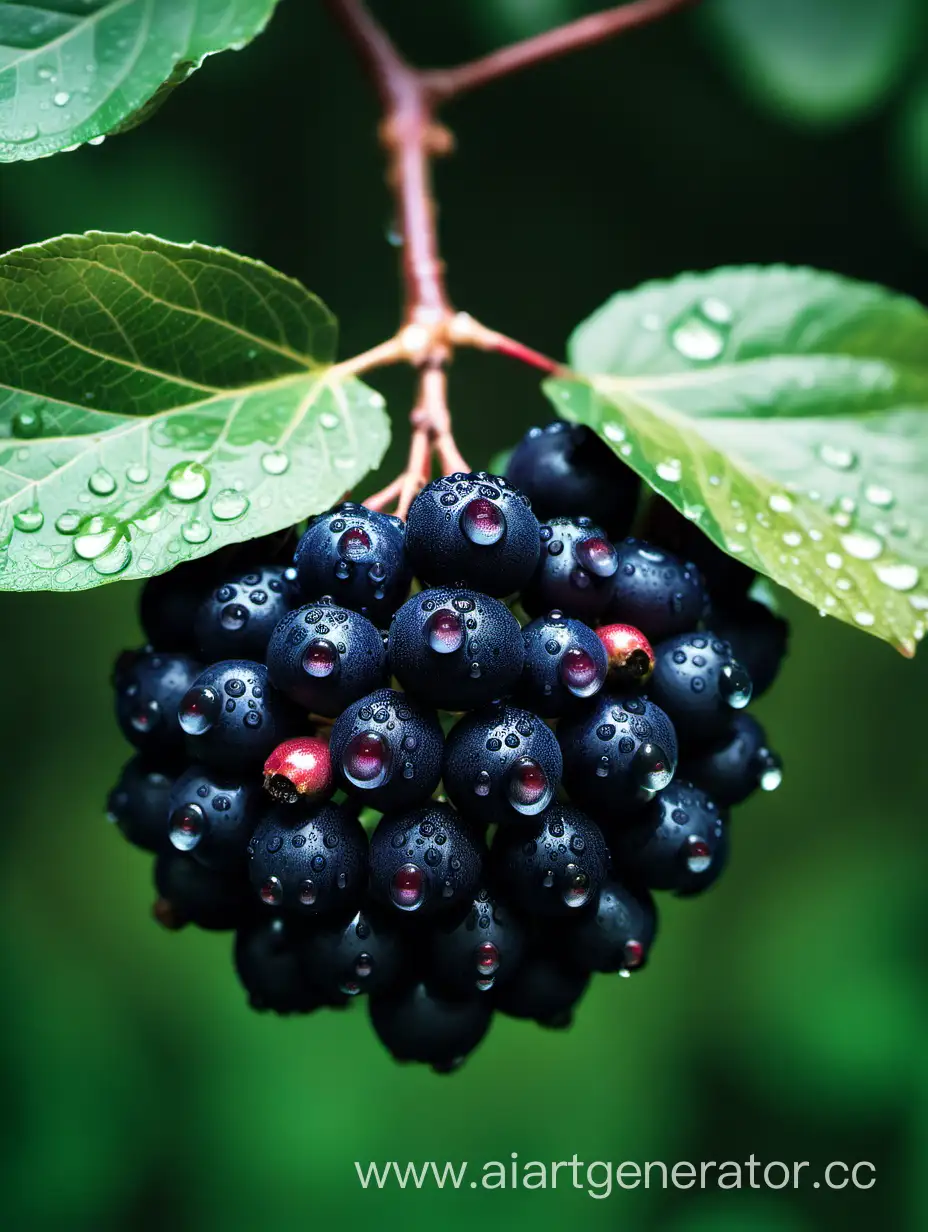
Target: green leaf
821 62
74 70
158 401
786 412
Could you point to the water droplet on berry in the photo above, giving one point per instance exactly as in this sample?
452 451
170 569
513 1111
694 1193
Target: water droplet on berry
529 791
307 893
363 966
188 824
579 672
407 889
735 685
199 710
698 855
482 522
145 716
444 632
367 761
653 768
771 772
598 556
487 958
633 952
272 892
482 784
354 544
320 658
234 616
578 889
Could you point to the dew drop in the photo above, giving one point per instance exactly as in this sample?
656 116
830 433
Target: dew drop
29 520
864 619
62 98
444 632
94 536
367 762
900 577
670 470
27 424
771 772
329 420
699 336
529 791
653 768
833 560
482 784
275 462
307 893
227 505
113 561
199 709
320 659
486 957
196 531
837 457
482 522
188 825
879 496
735 685
101 483
354 544
272 892
862 545
613 431
792 538
598 556
187 481
407 889
779 502
578 888
698 855
579 672
68 522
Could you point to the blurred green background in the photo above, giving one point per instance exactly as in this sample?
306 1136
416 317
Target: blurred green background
784 1013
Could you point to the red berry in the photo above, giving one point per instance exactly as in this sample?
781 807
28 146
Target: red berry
631 659
299 768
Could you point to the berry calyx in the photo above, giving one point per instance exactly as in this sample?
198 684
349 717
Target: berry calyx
300 768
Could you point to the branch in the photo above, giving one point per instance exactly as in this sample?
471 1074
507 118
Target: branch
447 83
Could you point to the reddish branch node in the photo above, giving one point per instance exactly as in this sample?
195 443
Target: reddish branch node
412 137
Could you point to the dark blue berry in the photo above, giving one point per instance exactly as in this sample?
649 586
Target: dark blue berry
236 618
656 591
741 762
363 954
212 816
425 861
191 893
502 764
567 471
677 843
269 962
553 865
325 656
169 602
311 859
456 649
149 687
564 660
618 752
616 935
700 684
758 637
544 988
481 951
386 750
575 570
358 557
232 718
138 804
475 530
726 577
415 1023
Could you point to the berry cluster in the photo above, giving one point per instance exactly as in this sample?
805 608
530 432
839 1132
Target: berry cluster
415 796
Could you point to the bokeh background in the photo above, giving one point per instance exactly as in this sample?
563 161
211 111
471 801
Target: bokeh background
782 1014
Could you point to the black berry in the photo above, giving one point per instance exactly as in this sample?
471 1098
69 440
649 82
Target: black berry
425 861
502 764
325 656
553 865
617 934
269 962
758 637
727 578
308 858
617 752
455 648
363 954
544 988
472 529
565 469
212 816
358 557
415 1023
575 570
674 843
699 683
238 615
386 750
232 718
740 763
138 804
564 660
481 951
149 687
655 591
191 893
169 603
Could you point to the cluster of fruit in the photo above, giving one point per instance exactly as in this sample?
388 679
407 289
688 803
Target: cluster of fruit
416 796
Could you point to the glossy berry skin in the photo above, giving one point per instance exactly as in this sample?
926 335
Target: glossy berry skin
726 577
212 816
426 861
564 660
553 866
673 844
544 988
269 964
629 655
759 640
473 530
386 751
617 934
455 649
149 687
502 765
656 592
300 769
618 752
237 616
566 470
310 859
324 656
575 570
232 718
734 769
415 1023
138 805
358 557
481 951
699 683
191 893
363 954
